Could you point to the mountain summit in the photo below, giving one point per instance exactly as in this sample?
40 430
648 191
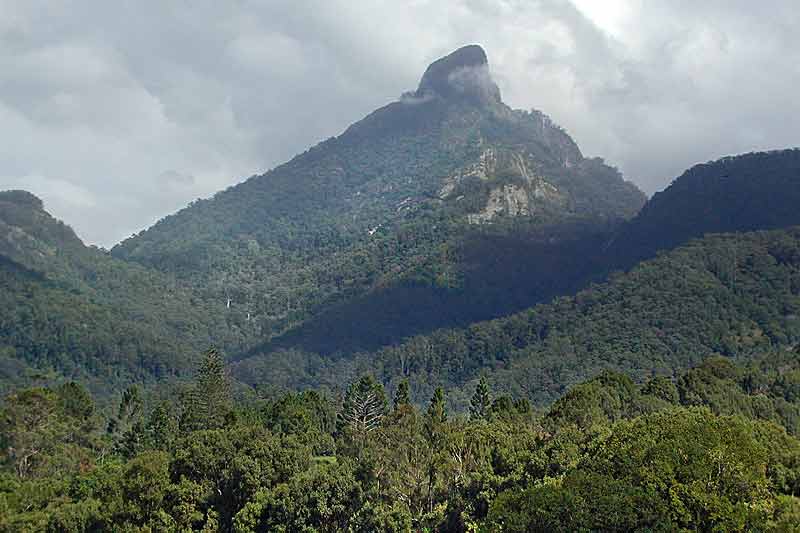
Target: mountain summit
390 211
462 74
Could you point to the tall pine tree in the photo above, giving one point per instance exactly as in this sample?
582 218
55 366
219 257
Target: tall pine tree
437 410
481 401
363 407
208 402
402 396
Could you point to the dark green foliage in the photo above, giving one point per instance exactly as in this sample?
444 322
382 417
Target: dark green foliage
45 432
308 416
363 409
740 193
299 413
663 316
127 427
635 462
76 401
437 409
738 292
160 428
673 470
661 388
607 398
403 396
207 404
489 271
481 401
326 499
71 311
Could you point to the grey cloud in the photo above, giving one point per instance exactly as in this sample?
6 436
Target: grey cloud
117 114
476 80
173 178
411 98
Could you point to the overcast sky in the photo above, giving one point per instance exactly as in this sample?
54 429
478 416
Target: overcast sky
118 113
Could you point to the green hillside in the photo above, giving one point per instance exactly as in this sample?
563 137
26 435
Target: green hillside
746 192
730 294
68 311
504 268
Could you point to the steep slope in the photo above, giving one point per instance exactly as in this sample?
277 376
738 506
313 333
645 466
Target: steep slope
741 193
731 294
389 212
72 311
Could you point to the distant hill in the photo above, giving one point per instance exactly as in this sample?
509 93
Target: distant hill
740 193
67 310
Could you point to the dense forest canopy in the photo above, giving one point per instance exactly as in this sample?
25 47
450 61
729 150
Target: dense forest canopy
738 193
71 311
714 449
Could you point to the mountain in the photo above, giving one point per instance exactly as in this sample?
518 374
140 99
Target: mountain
70 311
739 193
440 209
444 207
419 242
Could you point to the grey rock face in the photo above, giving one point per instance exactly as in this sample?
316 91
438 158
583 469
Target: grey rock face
461 74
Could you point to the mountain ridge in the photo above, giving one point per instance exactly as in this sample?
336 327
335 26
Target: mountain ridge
72 311
732 193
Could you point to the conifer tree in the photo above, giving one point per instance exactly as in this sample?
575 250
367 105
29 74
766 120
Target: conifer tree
437 410
126 427
481 401
363 408
208 402
160 427
402 396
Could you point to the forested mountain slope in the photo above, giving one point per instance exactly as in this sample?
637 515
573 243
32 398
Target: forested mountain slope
751 191
408 207
746 192
730 294
67 310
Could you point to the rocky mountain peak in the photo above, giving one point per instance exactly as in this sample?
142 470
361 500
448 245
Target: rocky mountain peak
463 74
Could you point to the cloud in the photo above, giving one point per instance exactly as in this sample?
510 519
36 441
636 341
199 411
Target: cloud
475 80
173 178
119 114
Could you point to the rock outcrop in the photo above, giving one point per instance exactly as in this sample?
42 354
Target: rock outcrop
461 74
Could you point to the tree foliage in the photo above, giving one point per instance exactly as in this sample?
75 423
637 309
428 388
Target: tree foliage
711 451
